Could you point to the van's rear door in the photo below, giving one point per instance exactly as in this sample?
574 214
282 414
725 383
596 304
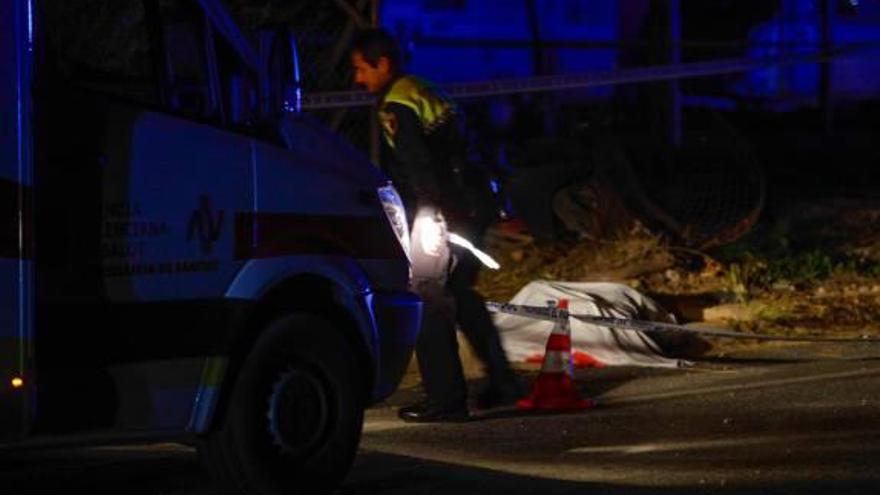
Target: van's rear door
15 186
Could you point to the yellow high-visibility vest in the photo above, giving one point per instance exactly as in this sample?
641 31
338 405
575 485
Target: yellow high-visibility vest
432 107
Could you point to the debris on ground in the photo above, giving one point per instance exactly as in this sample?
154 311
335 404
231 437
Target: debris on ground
791 276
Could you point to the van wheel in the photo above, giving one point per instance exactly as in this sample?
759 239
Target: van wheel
294 420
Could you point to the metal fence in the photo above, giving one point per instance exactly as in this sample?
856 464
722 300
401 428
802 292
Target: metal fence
712 195
713 187
324 30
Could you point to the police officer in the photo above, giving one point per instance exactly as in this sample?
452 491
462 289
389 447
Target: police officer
424 130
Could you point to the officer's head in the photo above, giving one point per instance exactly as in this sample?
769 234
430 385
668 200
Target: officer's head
375 59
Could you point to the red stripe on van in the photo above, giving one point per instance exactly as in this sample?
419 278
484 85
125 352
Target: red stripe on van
266 235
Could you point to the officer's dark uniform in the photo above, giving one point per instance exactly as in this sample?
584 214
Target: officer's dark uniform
423 127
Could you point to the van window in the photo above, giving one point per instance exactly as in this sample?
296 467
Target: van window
100 45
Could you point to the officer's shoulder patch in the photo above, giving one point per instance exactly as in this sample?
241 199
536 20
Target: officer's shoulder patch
389 122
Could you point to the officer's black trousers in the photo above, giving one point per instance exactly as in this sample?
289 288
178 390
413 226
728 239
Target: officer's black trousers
437 347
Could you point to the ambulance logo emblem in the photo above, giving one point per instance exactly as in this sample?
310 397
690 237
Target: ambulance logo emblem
205 225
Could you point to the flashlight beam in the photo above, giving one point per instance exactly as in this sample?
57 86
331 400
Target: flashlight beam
483 257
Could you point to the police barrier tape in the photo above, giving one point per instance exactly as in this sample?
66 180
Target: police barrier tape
552 314
343 99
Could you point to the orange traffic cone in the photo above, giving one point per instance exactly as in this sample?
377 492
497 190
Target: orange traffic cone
554 388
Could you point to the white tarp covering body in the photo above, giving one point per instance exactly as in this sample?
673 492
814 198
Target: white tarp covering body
525 338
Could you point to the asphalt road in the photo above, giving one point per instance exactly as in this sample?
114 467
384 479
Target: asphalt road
786 421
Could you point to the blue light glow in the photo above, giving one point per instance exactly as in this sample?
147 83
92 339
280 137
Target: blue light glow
30 14
494 185
297 78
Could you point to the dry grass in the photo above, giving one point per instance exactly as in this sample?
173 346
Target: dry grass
623 259
841 304
637 258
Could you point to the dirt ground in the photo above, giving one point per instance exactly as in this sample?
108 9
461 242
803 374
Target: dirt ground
807 268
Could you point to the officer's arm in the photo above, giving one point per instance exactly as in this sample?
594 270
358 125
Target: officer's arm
412 151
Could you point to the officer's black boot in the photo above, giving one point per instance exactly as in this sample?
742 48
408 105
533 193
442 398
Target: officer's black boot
440 367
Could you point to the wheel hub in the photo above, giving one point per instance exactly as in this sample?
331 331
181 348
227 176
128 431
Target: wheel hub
298 412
